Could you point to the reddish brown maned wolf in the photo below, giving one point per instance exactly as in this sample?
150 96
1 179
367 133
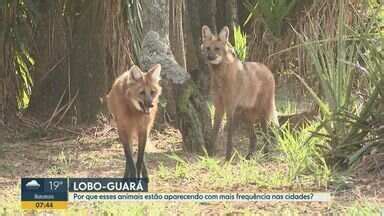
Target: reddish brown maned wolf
245 88
133 104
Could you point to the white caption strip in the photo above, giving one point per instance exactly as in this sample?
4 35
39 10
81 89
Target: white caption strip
199 197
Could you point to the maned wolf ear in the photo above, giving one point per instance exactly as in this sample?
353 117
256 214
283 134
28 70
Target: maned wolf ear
154 72
135 73
224 34
206 33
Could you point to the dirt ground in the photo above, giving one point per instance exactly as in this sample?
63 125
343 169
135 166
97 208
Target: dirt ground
96 152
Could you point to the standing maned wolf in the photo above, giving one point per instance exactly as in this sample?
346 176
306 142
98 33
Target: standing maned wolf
133 103
245 88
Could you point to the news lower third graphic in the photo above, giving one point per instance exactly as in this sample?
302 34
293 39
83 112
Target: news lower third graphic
57 193
53 193
108 185
44 193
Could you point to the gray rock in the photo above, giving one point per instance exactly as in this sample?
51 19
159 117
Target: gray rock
155 51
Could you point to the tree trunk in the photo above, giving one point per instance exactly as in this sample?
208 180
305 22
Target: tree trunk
52 57
80 53
156 19
181 92
207 13
3 83
87 58
118 55
9 80
195 63
176 31
231 16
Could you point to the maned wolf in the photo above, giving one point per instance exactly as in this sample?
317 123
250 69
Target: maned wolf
133 103
247 89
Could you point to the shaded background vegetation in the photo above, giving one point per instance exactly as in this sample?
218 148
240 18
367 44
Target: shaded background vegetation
59 57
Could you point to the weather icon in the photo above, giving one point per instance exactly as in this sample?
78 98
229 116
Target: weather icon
32 185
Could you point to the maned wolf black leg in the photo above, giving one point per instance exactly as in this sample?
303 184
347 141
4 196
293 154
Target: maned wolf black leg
140 155
130 170
237 120
252 140
264 128
229 150
211 147
144 170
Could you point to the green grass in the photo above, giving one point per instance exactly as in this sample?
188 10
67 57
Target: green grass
303 152
299 160
366 208
294 165
240 43
10 205
358 208
337 57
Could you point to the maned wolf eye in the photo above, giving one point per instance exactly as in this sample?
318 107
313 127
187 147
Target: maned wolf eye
208 48
153 92
217 48
142 93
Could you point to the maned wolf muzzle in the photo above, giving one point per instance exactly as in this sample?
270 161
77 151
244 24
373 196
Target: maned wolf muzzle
147 104
211 56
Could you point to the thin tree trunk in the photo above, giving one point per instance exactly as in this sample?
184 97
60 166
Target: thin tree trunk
8 79
3 83
176 31
231 16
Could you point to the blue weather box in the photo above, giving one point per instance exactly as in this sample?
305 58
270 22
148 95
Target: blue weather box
44 189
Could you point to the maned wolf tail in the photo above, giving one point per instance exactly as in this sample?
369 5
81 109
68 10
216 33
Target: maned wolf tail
275 118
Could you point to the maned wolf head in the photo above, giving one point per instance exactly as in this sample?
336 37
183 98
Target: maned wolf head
215 48
143 89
